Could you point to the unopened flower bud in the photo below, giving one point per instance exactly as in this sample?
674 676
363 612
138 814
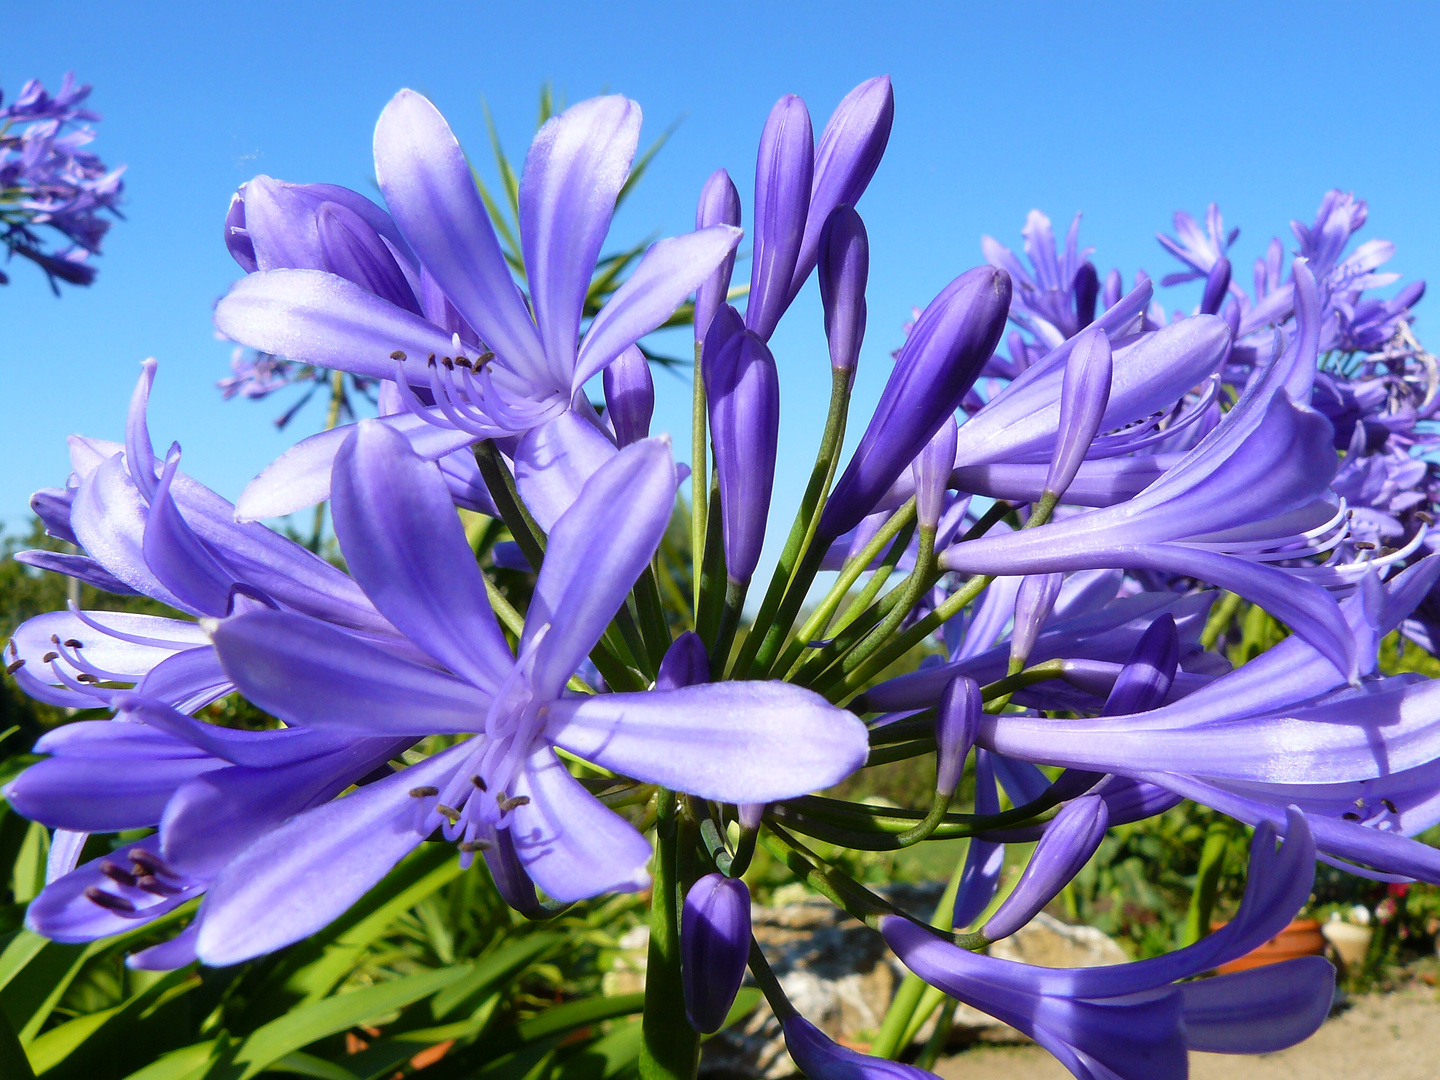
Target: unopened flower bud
719 205
784 169
932 475
1083 397
1146 678
1064 848
742 388
1086 286
685 663
957 721
714 946
1033 604
1114 289
1216 284
354 250
844 270
819 1058
629 395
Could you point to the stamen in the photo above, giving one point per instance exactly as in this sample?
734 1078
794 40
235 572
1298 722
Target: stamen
397 355
479 782
1350 815
117 873
474 845
72 643
149 862
109 901
506 803
424 792
447 811
1389 806
49 656
14 666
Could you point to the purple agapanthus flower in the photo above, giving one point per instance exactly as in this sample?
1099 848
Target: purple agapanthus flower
1055 300
503 790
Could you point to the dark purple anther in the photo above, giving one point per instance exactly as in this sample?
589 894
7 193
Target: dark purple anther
784 168
743 391
1086 286
1084 394
844 270
629 396
956 723
719 205
1216 283
947 347
714 946
1064 848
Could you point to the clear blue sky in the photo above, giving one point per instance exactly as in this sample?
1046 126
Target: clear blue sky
1125 111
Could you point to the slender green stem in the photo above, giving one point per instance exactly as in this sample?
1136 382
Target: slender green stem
670 1047
1219 621
769 984
877 582
729 624
769 631
939 805
501 483
939 1037
712 570
699 505
651 610
1207 881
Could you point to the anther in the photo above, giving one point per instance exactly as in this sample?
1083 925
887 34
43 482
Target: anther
462 361
152 884
479 782
1359 804
148 861
447 363
448 811
106 900
54 639
1389 806
424 792
1364 545
86 677
1424 518
474 845
49 656
117 873
14 666
1350 815
430 362
484 358
506 803
73 643
397 355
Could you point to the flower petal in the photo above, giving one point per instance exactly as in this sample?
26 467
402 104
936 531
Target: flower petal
1261 1010
553 462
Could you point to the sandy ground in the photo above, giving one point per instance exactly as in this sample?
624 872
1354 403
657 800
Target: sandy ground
1381 1036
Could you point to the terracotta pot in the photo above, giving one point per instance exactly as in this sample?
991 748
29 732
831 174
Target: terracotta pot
1301 938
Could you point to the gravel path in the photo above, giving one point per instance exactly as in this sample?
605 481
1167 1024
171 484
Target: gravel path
1392 1036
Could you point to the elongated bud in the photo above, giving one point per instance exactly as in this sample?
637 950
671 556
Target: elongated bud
932 474
957 721
947 347
1033 604
819 1058
1114 289
354 250
1086 287
849 152
1083 397
714 946
508 872
1216 284
237 238
749 814
1146 678
629 396
784 169
844 270
685 663
1066 846
743 392
719 205
983 859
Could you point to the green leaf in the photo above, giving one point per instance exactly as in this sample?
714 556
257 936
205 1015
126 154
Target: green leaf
314 1020
56 1044
19 951
32 992
507 174
187 1063
638 169
489 970
604 1057
80 1048
27 877
309 1065
14 1064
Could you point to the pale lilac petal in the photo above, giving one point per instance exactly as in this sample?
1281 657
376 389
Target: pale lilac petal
33 639
187 681
65 848
595 552
168 955
323 319
432 196
102 794
62 911
176 556
576 166
553 462
738 742
405 545
109 519
572 846
294 880
670 271
311 674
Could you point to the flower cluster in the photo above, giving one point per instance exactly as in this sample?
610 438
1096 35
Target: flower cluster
48 179
1043 512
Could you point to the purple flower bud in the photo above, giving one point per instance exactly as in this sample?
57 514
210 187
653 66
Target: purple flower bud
685 663
957 722
1216 283
1083 396
714 946
1064 847
749 814
932 474
353 250
629 395
850 149
1146 677
948 345
1086 286
784 168
844 270
743 390
820 1059
1114 289
508 872
237 240
719 205
1033 603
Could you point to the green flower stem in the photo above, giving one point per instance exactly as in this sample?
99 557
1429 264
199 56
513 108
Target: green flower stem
651 610
712 571
1207 882
729 624
1219 621
877 581
941 1035
891 1039
883 832
670 1047
787 585
839 888
769 985
699 504
939 805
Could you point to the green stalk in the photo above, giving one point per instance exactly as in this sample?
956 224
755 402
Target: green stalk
699 506
769 632
729 624
712 571
501 483
1207 881
332 418
651 610
670 1047
939 1037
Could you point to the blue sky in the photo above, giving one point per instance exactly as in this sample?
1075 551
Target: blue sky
1125 112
